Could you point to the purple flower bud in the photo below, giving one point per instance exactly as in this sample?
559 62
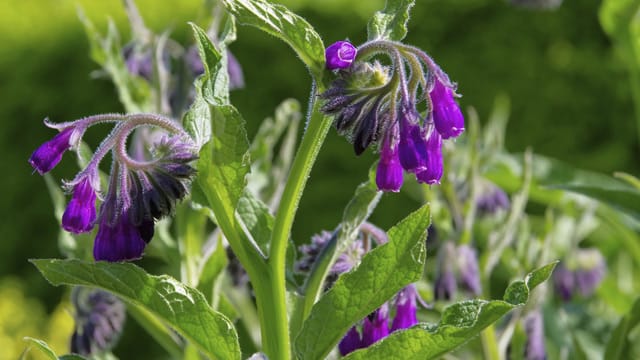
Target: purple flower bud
445 285
375 326
434 163
49 154
469 271
389 172
139 61
80 213
99 320
413 145
563 282
446 112
492 199
590 272
350 342
406 308
340 55
534 328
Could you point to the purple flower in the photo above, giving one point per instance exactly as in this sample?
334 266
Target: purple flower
492 199
340 55
447 116
406 308
234 69
350 342
389 172
375 326
563 282
445 286
99 318
80 213
534 328
49 154
582 272
469 271
139 61
375 104
434 164
122 240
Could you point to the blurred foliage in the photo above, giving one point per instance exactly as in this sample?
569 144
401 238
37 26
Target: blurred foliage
569 93
22 316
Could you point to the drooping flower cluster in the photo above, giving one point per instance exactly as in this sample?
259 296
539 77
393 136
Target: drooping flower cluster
375 104
140 190
376 326
582 273
99 318
456 266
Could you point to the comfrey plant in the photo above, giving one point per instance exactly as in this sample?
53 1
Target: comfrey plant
184 174
377 105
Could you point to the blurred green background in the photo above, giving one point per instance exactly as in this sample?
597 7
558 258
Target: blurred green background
568 88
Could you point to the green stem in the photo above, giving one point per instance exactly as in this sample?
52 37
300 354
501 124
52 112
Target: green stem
489 344
318 127
163 336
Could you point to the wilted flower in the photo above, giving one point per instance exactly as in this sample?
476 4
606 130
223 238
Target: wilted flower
140 191
99 318
377 105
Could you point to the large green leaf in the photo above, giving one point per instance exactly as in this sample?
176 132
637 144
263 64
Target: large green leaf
618 346
282 23
390 23
48 352
380 275
182 307
460 322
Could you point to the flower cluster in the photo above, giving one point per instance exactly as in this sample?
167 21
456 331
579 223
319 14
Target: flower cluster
99 318
457 266
140 190
376 325
376 104
583 273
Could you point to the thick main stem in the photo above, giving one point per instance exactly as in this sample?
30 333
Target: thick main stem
317 128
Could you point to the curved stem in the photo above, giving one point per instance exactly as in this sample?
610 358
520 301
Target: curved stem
317 128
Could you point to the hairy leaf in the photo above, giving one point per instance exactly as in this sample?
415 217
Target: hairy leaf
390 23
182 307
380 275
460 323
282 23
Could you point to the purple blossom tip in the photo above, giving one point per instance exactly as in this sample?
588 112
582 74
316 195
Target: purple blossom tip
447 116
534 328
389 172
80 213
434 163
406 309
49 154
99 317
340 55
350 342
122 240
375 326
469 269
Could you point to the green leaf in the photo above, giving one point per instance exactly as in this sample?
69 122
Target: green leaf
390 23
48 352
182 307
460 322
620 196
282 23
215 88
618 346
224 161
381 274
257 220
215 262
